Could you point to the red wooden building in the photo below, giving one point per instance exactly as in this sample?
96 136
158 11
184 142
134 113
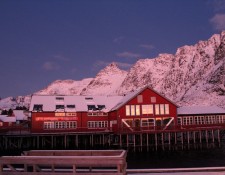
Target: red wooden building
141 110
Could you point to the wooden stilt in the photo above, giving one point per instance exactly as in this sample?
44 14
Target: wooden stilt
120 141
218 136
147 142
169 139
162 140
200 136
156 146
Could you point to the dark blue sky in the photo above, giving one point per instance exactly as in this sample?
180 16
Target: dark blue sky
45 40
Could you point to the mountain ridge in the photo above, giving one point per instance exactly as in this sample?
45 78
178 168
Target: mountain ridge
194 75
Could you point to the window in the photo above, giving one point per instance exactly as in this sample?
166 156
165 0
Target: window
59 98
97 124
71 124
100 107
153 99
59 114
71 114
147 122
70 106
187 120
88 98
97 114
157 109
127 110
48 125
179 121
137 109
38 107
59 107
60 125
140 99
199 120
167 110
147 109
132 107
91 107
132 110
162 109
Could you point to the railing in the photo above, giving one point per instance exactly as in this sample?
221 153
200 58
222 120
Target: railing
19 130
69 162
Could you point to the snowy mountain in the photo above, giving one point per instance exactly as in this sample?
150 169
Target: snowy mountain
194 75
106 82
11 102
65 87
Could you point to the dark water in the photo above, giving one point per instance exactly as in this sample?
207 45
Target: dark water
206 157
200 157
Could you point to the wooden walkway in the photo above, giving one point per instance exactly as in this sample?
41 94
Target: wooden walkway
69 162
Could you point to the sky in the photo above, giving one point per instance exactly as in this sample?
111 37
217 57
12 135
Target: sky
45 40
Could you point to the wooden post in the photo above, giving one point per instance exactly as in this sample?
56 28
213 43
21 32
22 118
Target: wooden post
147 141
77 141
194 137
175 138
134 142
65 141
200 136
37 142
169 137
206 137
213 137
156 141
218 135
162 138
141 141
120 141
127 141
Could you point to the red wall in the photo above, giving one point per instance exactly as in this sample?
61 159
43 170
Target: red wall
147 93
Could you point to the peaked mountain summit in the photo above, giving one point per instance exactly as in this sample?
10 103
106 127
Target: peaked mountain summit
106 82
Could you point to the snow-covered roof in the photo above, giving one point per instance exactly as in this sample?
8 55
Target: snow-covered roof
81 102
189 110
6 118
19 114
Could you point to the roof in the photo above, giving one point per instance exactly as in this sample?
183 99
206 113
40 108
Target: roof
81 102
133 94
5 118
19 114
189 110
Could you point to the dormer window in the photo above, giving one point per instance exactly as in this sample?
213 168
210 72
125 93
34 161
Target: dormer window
38 107
59 98
100 107
70 106
59 106
88 98
91 107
